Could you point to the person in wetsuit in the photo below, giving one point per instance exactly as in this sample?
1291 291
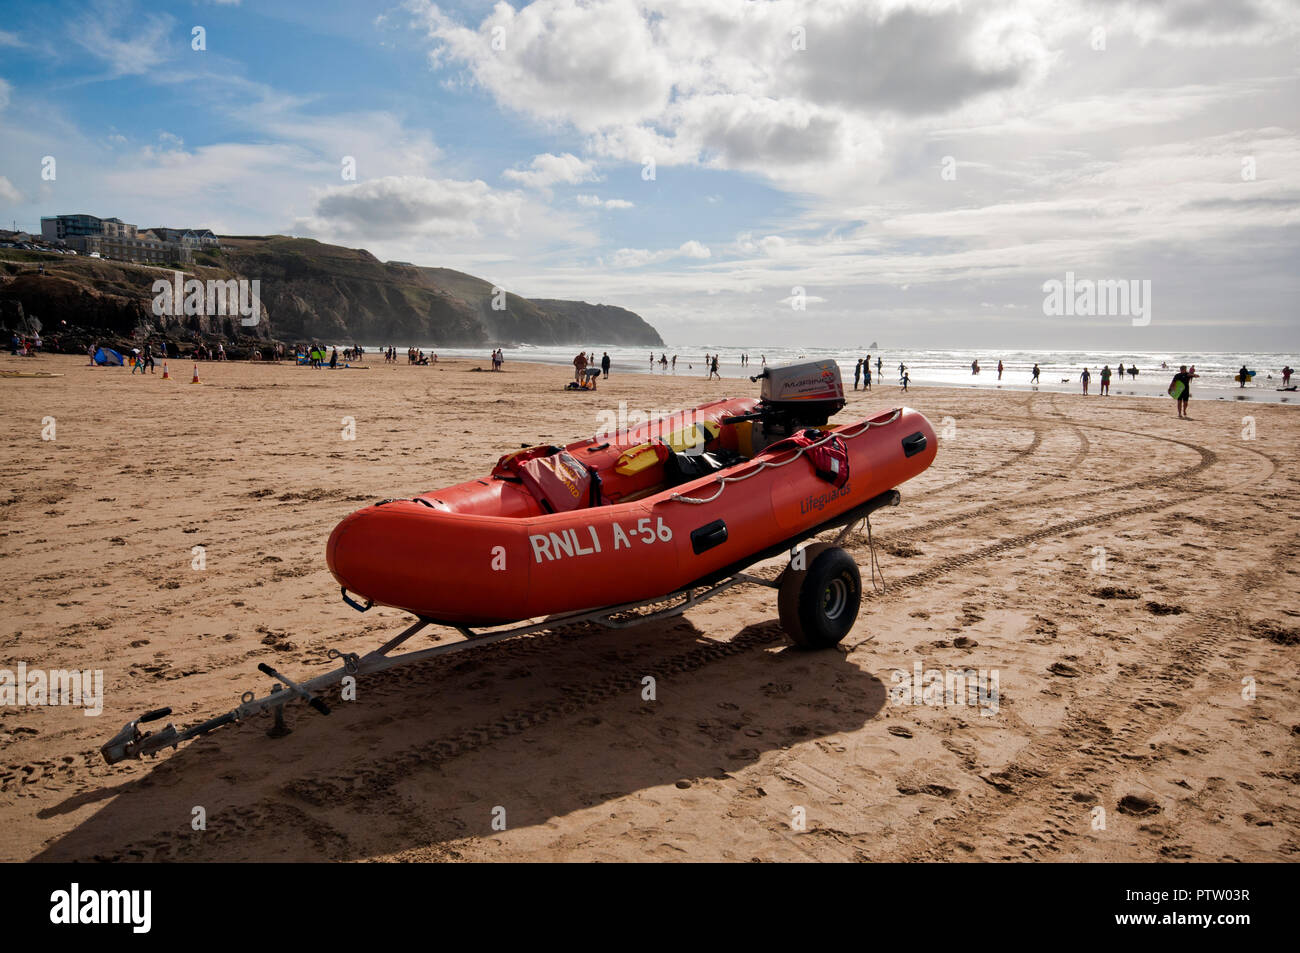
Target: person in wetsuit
1186 380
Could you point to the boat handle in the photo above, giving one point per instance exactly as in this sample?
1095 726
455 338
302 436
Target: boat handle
914 444
353 603
708 536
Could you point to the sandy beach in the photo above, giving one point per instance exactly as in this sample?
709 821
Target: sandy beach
1147 699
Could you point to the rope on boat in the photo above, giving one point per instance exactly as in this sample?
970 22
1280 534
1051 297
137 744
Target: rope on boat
765 464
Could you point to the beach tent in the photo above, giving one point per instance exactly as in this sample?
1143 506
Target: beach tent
107 356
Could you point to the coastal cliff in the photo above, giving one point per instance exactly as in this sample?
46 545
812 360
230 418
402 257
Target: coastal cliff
310 291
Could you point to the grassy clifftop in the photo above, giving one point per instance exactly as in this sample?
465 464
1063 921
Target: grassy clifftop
328 292
313 291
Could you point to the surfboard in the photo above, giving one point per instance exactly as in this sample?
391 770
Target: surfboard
1249 376
1176 389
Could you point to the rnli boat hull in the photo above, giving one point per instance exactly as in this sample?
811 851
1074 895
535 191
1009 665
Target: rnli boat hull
483 568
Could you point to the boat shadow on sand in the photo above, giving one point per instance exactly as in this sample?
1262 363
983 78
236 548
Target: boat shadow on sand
429 756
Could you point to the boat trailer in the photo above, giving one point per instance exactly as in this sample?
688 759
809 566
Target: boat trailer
820 593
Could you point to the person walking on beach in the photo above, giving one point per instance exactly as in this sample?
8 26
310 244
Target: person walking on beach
857 373
334 358
580 365
604 364
713 369
1184 378
906 379
880 361
1034 378
1243 375
999 368
866 373
1105 381
674 363
1286 376
1086 376
1119 371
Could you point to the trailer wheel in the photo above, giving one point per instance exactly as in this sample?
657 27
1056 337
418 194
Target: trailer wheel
819 604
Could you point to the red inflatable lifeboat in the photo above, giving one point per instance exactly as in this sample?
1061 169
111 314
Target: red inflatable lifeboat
639 513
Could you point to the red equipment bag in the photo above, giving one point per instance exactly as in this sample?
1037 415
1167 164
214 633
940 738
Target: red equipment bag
560 482
830 460
507 467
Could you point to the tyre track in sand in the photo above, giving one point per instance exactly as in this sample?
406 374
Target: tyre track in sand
1208 458
1051 785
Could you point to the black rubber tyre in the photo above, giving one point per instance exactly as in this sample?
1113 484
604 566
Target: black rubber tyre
819 604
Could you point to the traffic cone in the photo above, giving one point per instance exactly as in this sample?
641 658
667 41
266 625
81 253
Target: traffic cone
196 375
166 376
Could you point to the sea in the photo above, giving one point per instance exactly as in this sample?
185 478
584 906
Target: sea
1060 370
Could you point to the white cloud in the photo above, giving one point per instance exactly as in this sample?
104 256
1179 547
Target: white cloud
723 85
8 193
547 170
595 201
5 90
397 206
130 45
1203 23
639 257
770 245
586 64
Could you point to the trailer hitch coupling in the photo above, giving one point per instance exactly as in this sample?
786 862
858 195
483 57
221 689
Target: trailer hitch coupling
131 742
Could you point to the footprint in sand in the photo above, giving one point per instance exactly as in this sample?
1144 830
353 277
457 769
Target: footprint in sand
1138 805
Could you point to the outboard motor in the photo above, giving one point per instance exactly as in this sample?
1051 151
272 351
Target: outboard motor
794 397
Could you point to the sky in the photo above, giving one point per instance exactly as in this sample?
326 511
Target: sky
794 172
